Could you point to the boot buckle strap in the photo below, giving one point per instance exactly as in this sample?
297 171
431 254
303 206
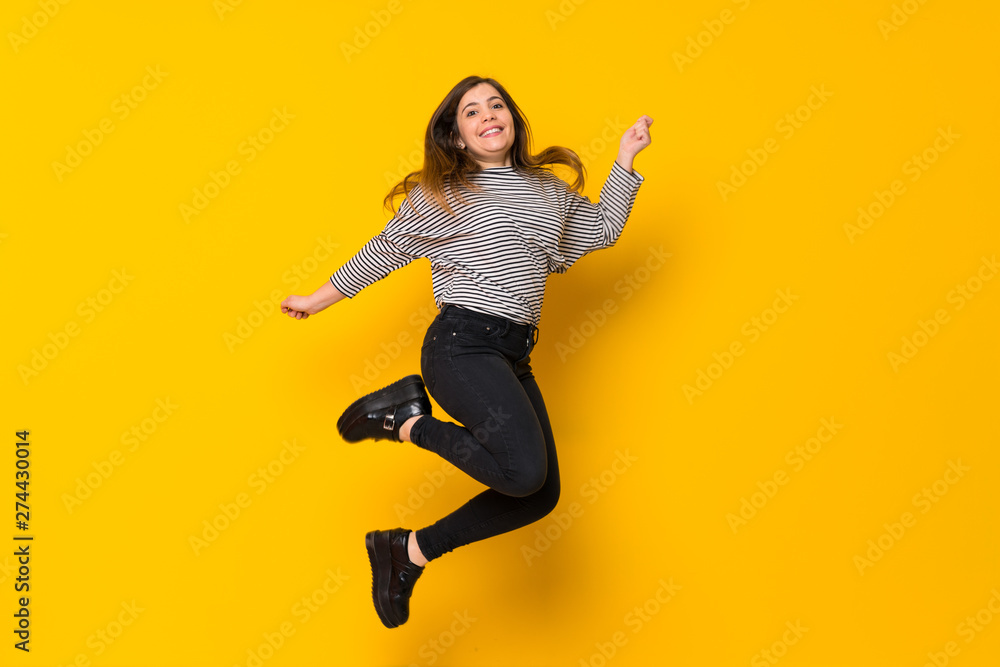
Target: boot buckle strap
389 423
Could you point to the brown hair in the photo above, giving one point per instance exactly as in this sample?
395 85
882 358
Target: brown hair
444 162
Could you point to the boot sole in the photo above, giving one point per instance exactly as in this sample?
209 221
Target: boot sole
381 572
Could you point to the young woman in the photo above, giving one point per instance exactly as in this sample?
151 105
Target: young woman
494 222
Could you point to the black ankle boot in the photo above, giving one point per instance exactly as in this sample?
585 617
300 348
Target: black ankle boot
380 414
393 574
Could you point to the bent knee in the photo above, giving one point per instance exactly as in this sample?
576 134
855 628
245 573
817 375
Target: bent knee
548 496
542 502
526 483
541 485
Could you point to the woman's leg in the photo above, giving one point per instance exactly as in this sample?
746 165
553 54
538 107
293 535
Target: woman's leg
506 442
491 512
501 443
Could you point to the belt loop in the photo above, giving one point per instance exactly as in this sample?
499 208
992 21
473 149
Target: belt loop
532 336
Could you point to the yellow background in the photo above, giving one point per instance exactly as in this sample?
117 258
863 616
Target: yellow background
575 69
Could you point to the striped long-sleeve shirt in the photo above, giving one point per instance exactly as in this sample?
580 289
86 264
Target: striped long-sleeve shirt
495 254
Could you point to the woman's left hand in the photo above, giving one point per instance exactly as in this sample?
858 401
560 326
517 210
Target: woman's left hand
636 137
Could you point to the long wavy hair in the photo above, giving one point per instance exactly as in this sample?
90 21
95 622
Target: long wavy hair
446 166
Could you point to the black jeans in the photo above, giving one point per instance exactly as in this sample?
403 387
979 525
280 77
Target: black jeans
477 368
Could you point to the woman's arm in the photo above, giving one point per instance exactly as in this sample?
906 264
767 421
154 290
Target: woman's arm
624 161
634 140
301 307
373 262
588 226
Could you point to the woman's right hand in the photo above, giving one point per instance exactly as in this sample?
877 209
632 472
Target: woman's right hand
297 306
300 307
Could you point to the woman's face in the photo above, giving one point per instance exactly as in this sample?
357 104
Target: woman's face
482 110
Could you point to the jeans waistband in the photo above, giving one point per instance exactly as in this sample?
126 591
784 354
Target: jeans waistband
529 331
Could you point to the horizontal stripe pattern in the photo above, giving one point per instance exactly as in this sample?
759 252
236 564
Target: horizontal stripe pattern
495 254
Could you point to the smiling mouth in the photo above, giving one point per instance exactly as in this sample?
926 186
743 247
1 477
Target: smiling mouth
492 132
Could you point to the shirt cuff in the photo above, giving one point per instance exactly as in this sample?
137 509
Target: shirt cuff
346 291
634 175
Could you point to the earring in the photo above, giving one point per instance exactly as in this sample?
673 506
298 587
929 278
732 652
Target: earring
461 145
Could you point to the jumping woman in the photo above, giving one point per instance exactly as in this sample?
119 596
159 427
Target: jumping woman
494 221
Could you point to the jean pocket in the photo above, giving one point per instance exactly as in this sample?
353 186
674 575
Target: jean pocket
433 331
427 354
475 331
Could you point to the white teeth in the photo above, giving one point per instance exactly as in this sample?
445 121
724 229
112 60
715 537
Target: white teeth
495 131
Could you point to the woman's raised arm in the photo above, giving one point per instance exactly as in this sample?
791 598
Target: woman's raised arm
301 307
